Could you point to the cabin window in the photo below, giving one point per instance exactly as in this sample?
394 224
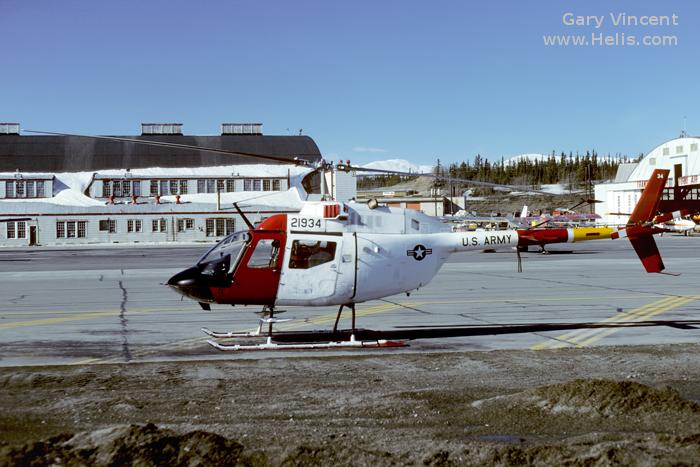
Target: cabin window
308 254
265 254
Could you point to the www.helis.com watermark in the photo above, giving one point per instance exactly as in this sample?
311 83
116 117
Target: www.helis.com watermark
616 29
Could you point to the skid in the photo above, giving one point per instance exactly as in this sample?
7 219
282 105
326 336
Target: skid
269 345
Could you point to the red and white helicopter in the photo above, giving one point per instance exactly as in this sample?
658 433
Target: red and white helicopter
334 253
342 254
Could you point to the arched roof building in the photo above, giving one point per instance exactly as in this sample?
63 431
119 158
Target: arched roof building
680 155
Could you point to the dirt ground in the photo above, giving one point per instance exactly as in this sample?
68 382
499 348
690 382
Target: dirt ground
599 406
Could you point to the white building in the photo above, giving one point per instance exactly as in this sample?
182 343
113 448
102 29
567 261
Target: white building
680 155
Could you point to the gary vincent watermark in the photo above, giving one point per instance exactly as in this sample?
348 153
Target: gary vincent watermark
607 31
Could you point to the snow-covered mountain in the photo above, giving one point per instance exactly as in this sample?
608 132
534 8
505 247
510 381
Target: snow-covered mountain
399 165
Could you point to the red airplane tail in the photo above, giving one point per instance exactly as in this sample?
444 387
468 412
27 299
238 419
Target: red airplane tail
640 228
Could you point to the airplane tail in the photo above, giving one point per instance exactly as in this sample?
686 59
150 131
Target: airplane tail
640 228
523 213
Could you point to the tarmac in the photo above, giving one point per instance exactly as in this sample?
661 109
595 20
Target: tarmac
109 305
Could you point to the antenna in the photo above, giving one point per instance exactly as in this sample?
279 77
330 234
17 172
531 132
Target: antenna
684 132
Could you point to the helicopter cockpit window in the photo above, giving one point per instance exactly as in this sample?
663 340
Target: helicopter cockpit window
265 254
308 254
229 246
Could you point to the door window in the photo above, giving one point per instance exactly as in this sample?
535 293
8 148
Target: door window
265 254
307 254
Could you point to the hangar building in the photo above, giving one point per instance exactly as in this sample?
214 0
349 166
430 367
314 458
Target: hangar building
60 190
680 155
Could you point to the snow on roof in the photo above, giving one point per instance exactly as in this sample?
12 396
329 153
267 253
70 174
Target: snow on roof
243 170
68 203
69 188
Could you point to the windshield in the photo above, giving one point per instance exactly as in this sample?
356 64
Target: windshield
230 246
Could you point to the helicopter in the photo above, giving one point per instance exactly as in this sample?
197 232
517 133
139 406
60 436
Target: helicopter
341 254
344 253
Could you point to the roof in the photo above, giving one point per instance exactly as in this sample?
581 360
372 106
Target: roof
79 153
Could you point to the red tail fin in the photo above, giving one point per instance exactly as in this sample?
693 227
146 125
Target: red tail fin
646 208
648 253
642 236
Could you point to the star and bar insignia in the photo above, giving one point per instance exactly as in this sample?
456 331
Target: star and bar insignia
419 252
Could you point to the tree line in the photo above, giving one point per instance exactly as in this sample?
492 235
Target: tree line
573 170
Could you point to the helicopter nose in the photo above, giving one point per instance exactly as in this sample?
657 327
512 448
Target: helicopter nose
190 283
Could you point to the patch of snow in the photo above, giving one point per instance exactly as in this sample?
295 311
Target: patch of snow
243 170
65 197
532 157
286 200
399 165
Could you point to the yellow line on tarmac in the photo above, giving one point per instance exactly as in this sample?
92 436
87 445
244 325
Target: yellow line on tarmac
606 332
584 337
76 317
571 336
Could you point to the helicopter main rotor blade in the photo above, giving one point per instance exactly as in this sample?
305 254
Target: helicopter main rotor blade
439 177
165 144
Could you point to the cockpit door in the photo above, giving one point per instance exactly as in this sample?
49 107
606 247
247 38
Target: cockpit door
256 278
311 269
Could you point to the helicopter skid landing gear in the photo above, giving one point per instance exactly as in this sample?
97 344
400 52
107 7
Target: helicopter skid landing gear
268 317
308 341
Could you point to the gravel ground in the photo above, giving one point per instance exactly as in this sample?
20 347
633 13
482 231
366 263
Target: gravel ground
604 405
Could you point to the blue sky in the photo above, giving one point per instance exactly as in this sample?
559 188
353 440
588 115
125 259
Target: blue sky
367 80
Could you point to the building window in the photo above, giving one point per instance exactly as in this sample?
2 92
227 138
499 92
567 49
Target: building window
173 187
247 185
276 185
201 186
652 161
31 192
185 224
257 185
230 185
17 229
159 225
163 187
134 225
154 187
219 186
137 188
40 193
9 189
266 184
20 188
183 187
679 149
694 147
108 225
71 229
211 186
667 151
218 227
